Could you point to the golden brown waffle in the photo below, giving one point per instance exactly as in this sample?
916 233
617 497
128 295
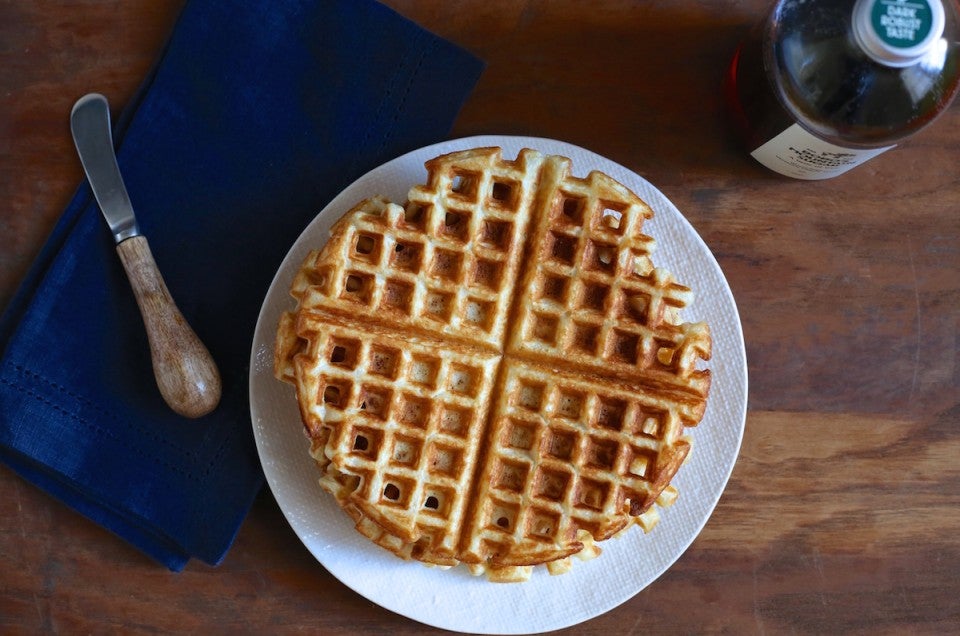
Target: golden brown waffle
495 374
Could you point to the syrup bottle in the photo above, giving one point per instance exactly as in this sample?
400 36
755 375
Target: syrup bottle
821 86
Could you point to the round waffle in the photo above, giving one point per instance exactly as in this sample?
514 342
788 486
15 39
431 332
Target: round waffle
495 373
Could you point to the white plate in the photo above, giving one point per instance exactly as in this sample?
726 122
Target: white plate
453 599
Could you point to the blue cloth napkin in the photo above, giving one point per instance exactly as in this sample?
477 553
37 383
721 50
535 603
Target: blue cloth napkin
256 115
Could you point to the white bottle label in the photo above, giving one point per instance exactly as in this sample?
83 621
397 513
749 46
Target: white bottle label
796 153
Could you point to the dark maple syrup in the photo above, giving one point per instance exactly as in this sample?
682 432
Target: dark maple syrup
821 86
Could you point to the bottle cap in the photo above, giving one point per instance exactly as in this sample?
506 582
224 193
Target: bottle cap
897 32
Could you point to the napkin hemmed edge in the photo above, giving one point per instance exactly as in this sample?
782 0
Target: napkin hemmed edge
153 544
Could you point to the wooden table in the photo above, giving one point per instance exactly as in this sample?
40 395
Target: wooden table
843 510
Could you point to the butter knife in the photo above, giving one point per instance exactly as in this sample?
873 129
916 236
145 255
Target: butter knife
186 374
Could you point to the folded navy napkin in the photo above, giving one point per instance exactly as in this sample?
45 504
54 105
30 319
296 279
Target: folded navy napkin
255 116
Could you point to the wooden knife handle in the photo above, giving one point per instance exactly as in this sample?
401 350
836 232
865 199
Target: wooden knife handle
186 373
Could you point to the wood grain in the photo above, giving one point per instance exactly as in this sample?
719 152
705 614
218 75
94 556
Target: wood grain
842 512
186 373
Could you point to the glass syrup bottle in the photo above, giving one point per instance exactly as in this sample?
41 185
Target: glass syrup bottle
820 86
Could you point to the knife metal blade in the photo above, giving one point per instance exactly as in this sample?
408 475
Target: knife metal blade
90 126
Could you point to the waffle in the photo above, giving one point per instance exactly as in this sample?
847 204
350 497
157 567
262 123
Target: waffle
495 374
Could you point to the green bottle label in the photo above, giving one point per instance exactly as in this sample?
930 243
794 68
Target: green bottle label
902 23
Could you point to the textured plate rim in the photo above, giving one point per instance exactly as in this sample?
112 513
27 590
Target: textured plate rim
519 602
